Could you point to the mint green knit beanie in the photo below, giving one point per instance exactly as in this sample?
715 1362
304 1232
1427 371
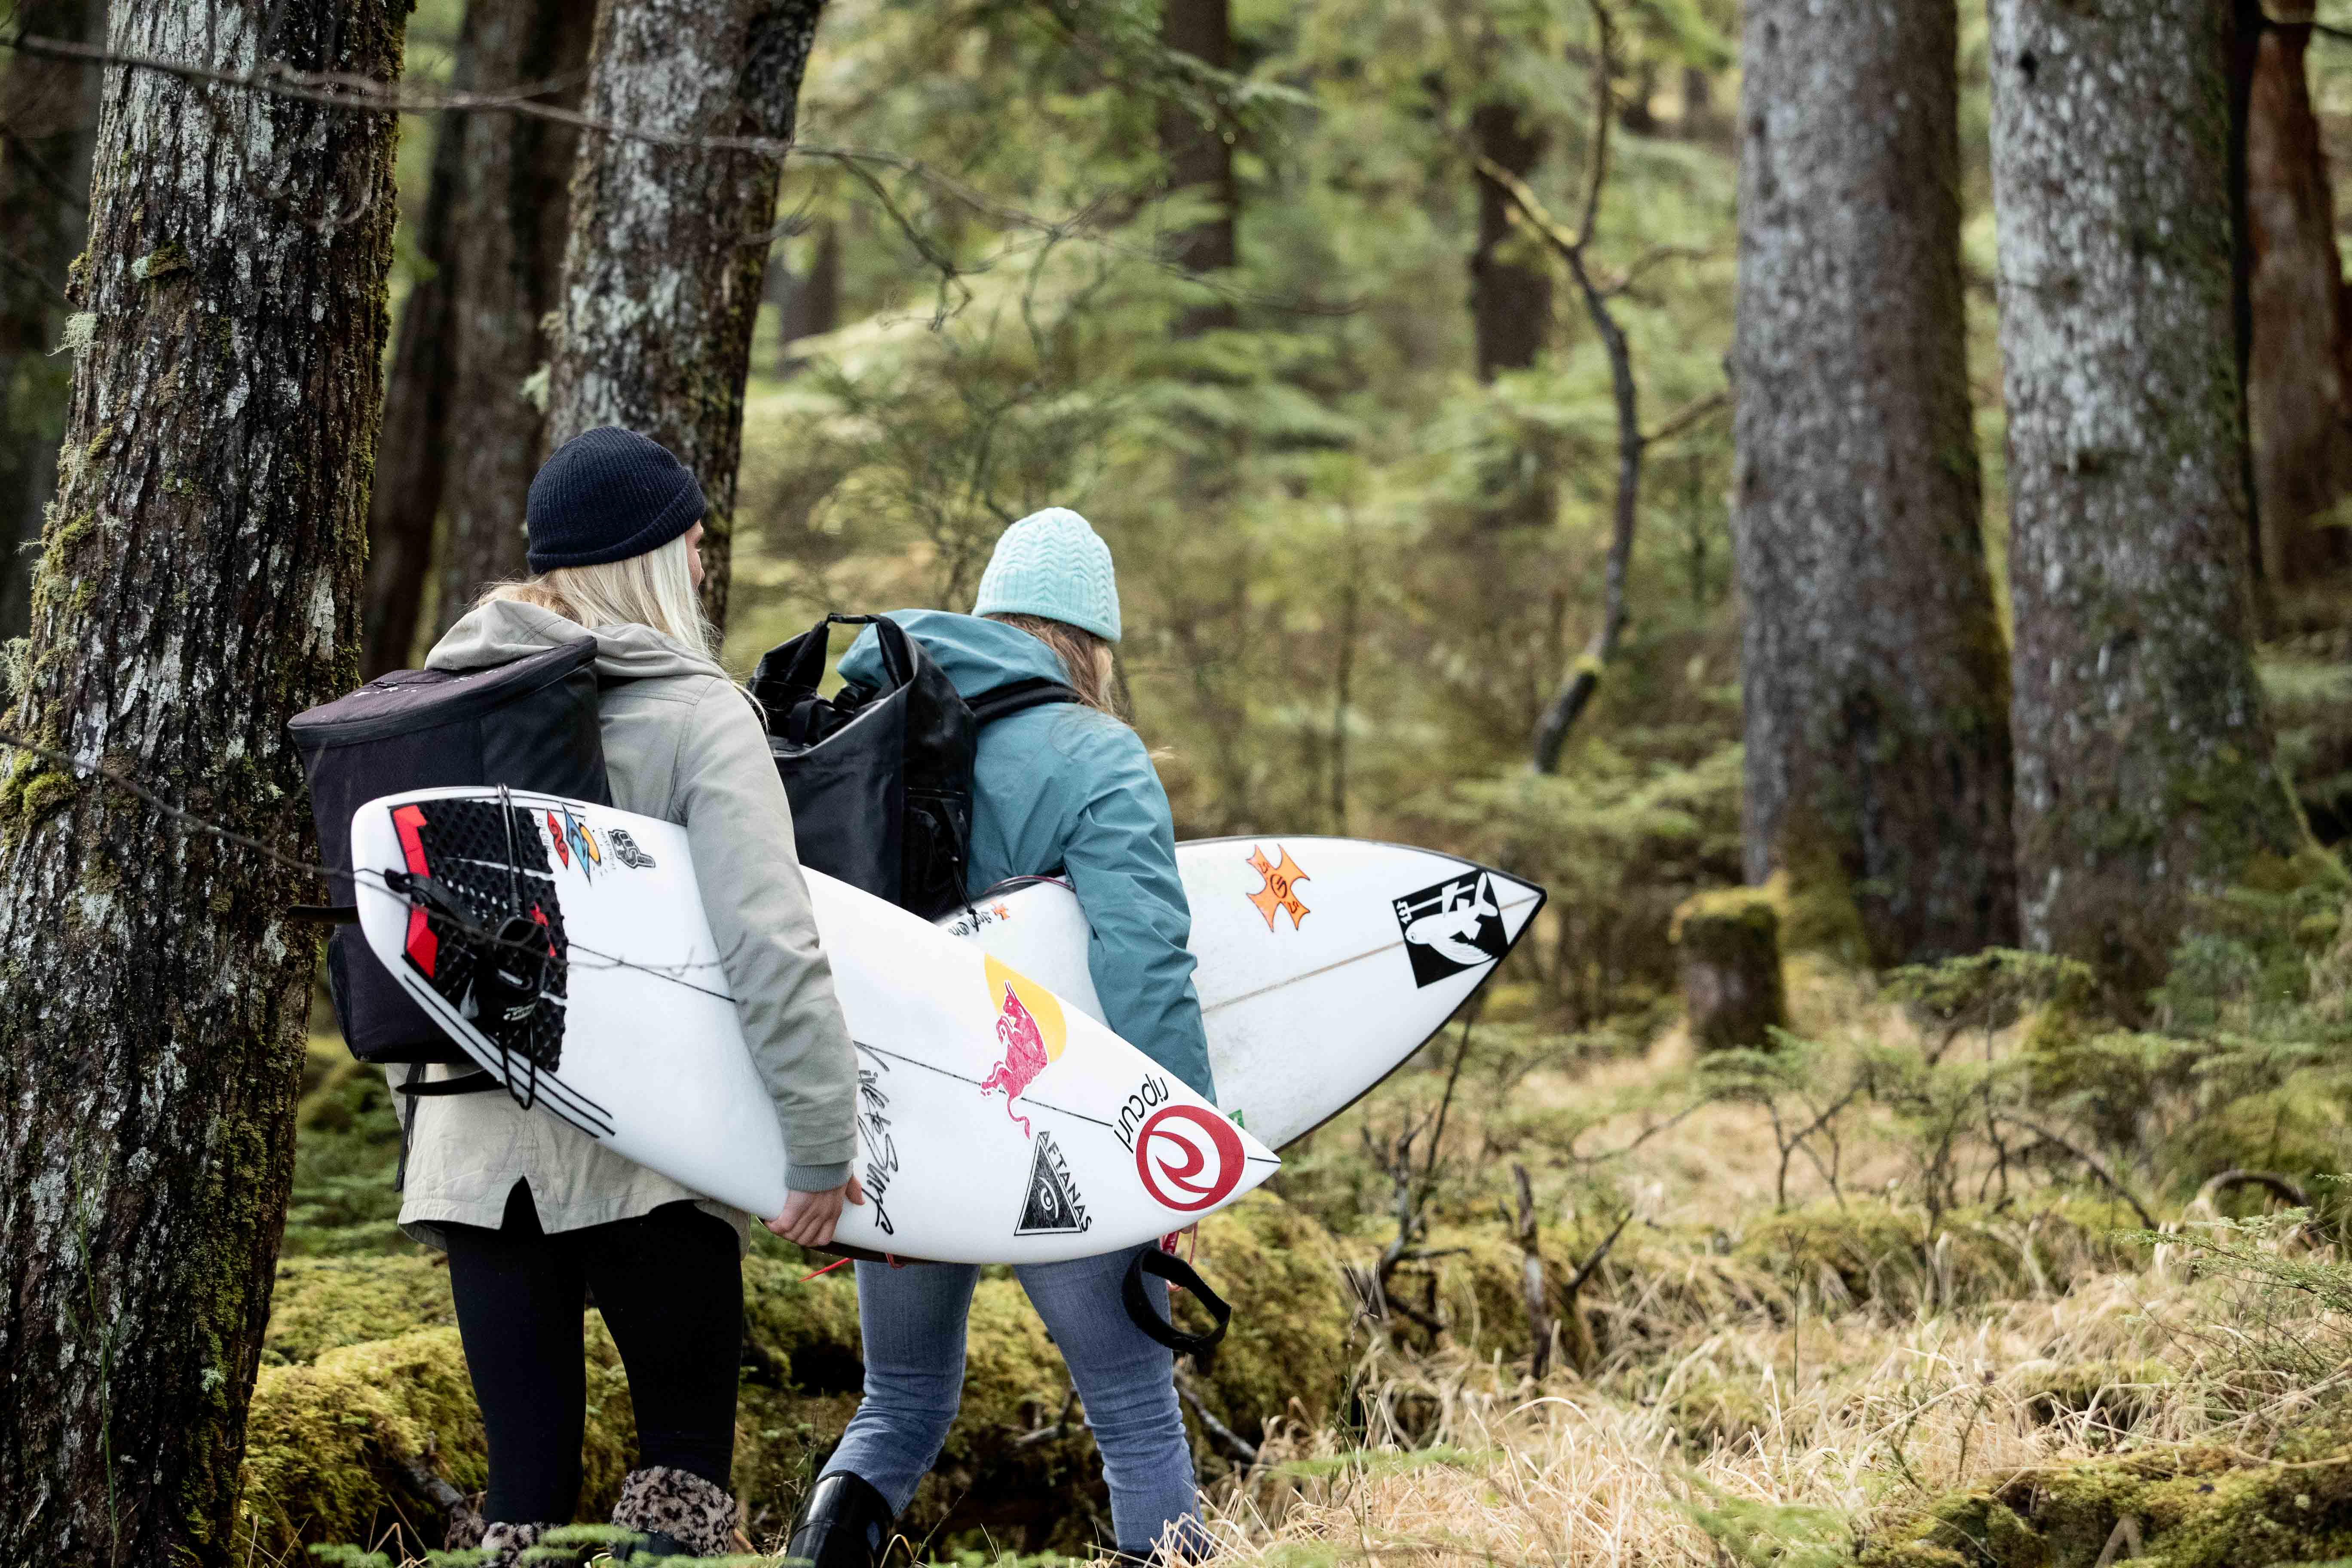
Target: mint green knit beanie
1052 564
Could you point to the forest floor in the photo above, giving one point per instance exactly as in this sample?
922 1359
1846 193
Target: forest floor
1897 1341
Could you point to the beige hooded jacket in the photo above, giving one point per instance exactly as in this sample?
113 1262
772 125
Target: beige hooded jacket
683 744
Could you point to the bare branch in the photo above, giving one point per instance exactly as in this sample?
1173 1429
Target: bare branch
2277 1185
2091 1162
1235 1445
1695 413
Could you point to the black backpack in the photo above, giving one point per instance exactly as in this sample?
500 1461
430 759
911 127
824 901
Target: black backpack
530 724
880 779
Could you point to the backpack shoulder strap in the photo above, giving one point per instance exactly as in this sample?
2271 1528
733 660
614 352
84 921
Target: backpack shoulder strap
1037 691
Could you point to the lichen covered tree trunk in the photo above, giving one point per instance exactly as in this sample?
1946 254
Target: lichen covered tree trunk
198 586
1877 697
50 110
662 276
2145 768
2302 361
507 240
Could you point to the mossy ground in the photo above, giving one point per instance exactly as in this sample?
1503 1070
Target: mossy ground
2005 1379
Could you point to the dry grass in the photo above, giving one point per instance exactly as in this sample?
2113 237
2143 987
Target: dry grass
1850 1415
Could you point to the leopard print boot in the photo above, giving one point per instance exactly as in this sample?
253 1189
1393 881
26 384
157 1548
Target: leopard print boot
679 1513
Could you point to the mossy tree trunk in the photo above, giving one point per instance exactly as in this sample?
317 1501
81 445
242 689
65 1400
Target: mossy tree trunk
198 586
2146 775
668 245
413 456
2302 362
50 108
507 236
1200 159
1876 696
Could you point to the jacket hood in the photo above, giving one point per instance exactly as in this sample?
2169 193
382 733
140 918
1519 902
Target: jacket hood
977 655
507 629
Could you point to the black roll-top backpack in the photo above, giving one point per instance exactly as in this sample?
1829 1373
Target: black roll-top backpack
880 779
530 723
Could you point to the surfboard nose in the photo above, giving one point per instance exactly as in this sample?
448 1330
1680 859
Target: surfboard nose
1516 900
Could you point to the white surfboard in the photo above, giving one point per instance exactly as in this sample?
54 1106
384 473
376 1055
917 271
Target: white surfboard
1323 962
990 1114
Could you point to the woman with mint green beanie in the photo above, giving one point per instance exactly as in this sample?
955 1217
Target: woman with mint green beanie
1066 791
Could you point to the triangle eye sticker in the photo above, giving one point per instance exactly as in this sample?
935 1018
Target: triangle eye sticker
1053 1206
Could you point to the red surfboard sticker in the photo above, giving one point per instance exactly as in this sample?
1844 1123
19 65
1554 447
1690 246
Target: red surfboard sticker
1189 1158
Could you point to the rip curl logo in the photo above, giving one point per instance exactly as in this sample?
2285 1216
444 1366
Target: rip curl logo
1188 1158
625 850
1030 1028
1280 894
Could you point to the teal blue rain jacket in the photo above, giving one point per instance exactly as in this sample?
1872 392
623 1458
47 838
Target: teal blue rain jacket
1064 788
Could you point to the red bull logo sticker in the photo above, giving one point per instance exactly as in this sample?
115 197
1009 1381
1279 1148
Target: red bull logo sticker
1030 1034
1280 894
1189 1158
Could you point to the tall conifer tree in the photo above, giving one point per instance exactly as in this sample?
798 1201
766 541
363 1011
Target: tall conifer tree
1876 701
2145 776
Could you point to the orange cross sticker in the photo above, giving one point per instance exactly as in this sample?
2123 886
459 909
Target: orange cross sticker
1280 893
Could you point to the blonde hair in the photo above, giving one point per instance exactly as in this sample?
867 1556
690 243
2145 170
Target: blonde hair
1085 657
654 589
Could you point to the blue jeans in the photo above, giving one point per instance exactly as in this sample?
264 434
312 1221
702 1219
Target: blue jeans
913 1323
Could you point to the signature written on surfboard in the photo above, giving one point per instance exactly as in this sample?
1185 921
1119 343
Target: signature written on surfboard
1149 1095
881 1148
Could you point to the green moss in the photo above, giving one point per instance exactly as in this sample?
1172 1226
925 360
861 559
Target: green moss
326 1303
1710 1411
2191 1508
161 262
1818 911
1862 1247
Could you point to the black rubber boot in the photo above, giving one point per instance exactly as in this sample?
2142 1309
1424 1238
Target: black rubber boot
846 1524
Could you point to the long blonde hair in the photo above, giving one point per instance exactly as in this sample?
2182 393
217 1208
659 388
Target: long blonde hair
654 589
1085 656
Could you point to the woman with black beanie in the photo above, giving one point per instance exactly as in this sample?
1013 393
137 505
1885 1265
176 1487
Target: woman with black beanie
535 1215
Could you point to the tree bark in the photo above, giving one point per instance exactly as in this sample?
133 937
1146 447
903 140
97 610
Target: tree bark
412 464
1199 157
2302 362
49 109
198 586
661 278
508 230
2146 777
1876 699
1510 301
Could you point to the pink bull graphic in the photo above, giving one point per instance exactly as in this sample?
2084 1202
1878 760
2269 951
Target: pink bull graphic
1024 1054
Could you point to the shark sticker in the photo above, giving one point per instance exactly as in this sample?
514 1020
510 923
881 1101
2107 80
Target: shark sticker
1453 926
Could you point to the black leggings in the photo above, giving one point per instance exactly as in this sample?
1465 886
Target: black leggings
670 1285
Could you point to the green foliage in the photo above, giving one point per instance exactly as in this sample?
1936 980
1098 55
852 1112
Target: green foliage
1772 1535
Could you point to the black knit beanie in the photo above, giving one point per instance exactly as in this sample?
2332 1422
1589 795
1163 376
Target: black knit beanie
605 495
